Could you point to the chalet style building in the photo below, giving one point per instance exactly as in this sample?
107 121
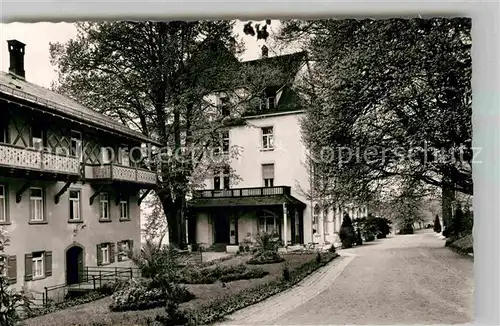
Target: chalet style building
271 195
69 187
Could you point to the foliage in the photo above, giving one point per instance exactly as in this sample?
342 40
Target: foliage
347 234
222 306
437 225
140 294
395 94
286 272
318 258
461 224
266 249
155 77
223 273
332 249
359 239
11 301
259 31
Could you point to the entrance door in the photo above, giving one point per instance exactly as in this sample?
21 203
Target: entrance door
221 228
74 265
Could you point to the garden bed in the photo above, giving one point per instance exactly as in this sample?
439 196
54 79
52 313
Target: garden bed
464 245
206 295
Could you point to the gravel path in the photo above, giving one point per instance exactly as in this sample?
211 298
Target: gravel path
408 279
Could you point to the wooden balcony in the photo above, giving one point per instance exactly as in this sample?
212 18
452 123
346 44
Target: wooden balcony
243 192
29 159
115 172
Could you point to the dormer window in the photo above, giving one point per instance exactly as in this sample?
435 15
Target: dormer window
271 103
268 100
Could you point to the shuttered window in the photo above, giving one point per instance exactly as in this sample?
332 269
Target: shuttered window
105 253
37 265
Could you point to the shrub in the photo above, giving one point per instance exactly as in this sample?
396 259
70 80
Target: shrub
359 240
332 248
347 234
11 301
286 272
266 257
139 294
318 258
437 224
210 275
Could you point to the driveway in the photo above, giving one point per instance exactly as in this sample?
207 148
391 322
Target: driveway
406 279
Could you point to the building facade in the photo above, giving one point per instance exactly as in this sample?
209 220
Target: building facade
70 182
272 193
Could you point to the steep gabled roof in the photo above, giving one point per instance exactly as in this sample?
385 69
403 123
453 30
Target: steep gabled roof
21 89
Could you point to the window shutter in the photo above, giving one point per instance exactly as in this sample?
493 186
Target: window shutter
111 253
131 248
12 269
99 255
119 245
28 267
48 263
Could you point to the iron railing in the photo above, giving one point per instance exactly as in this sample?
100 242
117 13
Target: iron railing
242 192
92 279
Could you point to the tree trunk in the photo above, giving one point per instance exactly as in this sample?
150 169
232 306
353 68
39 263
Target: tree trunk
447 199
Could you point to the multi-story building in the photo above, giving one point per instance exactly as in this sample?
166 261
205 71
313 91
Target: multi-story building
69 188
273 191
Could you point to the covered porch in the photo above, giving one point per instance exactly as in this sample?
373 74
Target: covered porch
224 219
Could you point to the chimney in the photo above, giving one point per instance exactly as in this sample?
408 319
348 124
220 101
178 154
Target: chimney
16 51
265 51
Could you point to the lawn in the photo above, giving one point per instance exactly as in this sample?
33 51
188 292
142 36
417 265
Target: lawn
97 312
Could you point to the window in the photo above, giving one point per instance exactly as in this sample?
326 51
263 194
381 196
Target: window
36 204
76 144
226 180
268 223
107 155
225 142
124 158
268 102
271 103
37 265
103 206
267 138
124 210
224 106
268 175
216 179
3 204
105 253
74 205
36 137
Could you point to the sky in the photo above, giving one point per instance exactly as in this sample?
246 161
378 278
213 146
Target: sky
37 37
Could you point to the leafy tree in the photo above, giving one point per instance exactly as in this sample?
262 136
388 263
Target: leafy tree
10 299
347 234
259 31
156 77
437 224
389 101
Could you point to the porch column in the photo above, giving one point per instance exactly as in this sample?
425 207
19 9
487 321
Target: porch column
285 231
236 228
293 213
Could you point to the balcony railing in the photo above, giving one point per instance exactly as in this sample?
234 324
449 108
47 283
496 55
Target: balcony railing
37 160
242 192
122 173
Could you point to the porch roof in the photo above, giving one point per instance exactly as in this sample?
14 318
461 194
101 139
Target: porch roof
245 201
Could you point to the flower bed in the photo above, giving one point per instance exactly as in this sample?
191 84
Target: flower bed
222 306
99 313
223 273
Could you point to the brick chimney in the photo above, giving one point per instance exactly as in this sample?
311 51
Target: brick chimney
265 51
16 51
